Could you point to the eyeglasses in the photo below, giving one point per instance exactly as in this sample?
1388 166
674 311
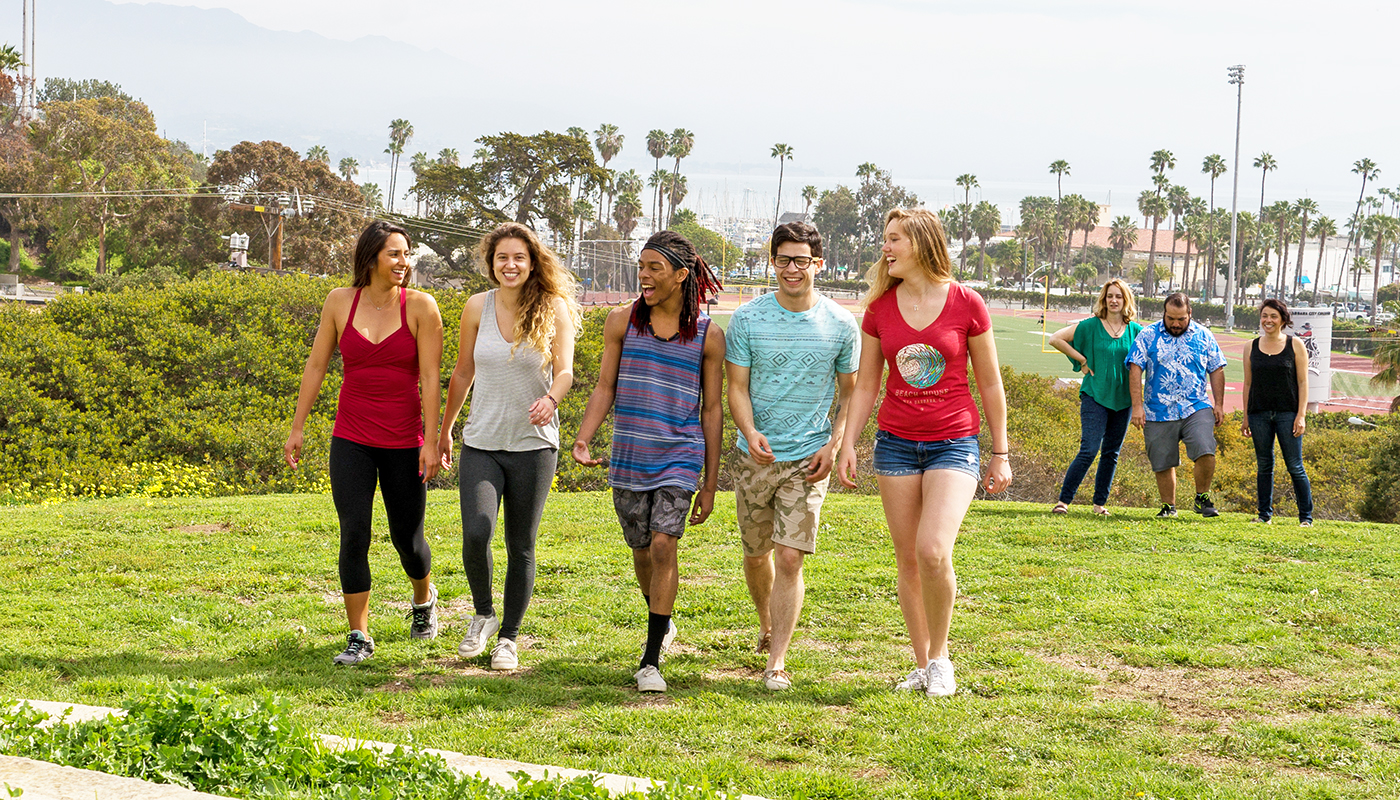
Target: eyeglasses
801 262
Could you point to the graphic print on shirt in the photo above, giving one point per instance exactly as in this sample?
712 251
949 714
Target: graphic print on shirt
920 365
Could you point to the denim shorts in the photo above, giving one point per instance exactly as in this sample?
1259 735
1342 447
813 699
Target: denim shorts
896 456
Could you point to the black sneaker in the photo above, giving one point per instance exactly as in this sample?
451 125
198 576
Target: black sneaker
1204 506
358 647
1168 510
425 621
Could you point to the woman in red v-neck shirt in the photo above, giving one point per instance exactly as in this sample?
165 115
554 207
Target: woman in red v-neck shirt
927 327
390 338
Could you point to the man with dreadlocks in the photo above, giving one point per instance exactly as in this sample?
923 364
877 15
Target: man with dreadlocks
662 374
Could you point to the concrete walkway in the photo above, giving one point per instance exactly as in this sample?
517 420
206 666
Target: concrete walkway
44 781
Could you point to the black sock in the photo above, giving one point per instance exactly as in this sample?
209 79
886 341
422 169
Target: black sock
647 598
657 626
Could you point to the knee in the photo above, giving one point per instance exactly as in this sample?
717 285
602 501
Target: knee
662 550
788 561
935 561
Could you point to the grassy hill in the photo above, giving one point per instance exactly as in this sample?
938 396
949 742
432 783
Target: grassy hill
1127 657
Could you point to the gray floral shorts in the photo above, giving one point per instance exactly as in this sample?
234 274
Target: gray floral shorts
662 510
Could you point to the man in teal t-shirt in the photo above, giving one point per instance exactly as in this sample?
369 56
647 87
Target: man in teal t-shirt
788 354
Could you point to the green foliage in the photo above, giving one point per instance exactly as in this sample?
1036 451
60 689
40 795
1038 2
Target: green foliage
1381 499
714 248
67 90
26 264
203 740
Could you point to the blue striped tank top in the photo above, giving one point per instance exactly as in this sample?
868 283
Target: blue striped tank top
657 439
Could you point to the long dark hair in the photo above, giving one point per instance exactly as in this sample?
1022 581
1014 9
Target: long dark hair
682 255
371 241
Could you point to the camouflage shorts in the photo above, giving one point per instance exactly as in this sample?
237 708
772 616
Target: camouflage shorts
662 510
775 505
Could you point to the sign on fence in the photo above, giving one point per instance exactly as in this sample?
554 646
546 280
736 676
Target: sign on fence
1314 327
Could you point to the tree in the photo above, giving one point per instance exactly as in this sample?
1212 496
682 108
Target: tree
1154 208
609 144
1367 169
627 211
1178 198
1122 236
349 168
62 90
1304 208
1083 273
318 153
321 241
1214 166
372 196
877 194
400 132
677 192
967 181
1264 163
1060 168
1088 219
782 152
837 216
1382 230
98 146
1280 215
19 174
809 196
1322 228
986 223
679 147
658 143
717 251
660 182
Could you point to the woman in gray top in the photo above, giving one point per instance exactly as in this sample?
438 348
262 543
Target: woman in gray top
517 346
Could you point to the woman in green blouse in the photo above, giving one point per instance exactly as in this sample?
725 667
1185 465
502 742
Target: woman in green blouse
1098 345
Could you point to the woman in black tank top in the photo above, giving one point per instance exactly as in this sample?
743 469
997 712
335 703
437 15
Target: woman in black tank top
1276 401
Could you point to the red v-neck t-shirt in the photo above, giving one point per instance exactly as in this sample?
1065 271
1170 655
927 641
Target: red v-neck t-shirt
927 396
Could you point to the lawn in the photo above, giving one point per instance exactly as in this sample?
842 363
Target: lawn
1126 658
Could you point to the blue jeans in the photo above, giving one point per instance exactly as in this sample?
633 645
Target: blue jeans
1101 430
1264 427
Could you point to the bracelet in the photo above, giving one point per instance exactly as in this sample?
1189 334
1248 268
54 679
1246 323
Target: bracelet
551 399
1003 456
1007 453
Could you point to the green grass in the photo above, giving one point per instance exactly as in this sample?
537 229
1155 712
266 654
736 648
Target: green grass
1121 658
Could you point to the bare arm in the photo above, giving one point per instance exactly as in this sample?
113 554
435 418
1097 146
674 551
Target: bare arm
1217 389
463 374
601 401
1300 356
741 409
867 387
1061 340
711 420
561 359
1248 381
313 375
982 348
429 337
1135 392
820 465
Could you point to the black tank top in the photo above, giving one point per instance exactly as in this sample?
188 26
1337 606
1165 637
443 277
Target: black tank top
1274 379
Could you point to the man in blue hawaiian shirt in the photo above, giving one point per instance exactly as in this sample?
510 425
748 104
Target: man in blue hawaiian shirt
1178 357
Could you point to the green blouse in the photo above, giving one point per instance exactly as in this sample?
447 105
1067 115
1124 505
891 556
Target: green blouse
1109 383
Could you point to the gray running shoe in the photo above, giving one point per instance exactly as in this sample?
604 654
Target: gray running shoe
358 647
478 632
503 655
938 678
425 620
1205 506
916 682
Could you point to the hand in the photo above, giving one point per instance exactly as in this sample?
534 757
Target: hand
704 504
444 447
1244 428
428 461
542 411
759 450
1299 425
582 456
1219 416
1139 416
1084 365
291 451
820 465
846 467
998 475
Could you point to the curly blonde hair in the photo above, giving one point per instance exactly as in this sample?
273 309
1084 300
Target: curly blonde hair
549 281
930 243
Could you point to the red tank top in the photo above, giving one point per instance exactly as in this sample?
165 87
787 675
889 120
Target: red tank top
379 403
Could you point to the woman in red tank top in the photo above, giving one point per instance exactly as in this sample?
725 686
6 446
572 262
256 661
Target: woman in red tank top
390 340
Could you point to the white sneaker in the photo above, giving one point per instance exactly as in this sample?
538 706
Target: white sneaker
649 679
669 637
503 655
914 683
776 680
938 678
478 632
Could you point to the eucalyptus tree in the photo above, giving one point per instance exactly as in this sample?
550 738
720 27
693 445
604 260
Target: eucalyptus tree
809 196
968 182
1122 236
986 223
782 152
349 168
1382 229
1367 169
1214 166
680 144
319 153
658 142
1303 209
1322 228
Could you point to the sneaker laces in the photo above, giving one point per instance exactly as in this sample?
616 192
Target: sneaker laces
474 630
421 615
354 645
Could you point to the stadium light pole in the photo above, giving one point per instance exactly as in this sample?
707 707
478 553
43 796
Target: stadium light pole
1236 78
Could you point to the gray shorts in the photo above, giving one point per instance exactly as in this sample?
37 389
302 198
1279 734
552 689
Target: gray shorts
1161 438
662 510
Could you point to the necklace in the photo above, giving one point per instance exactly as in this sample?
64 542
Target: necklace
1114 333
392 297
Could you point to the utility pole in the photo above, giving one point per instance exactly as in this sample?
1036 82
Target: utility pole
1237 79
282 207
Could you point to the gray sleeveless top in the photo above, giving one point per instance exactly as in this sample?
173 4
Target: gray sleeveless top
505 386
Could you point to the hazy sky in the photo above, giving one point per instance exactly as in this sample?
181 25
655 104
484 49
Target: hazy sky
928 90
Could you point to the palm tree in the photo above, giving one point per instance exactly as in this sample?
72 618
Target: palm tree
677 193
609 144
660 181
967 181
374 199
318 153
986 223
681 143
1264 162
809 196
1178 197
1382 229
1059 168
782 152
657 143
1303 209
1280 215
349 168
629 181
1367 169
400 132
1322 228
1214 166
1088 220
1154 209
450 157
627 211
1122 235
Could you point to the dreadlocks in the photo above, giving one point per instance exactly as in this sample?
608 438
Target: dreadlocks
700 280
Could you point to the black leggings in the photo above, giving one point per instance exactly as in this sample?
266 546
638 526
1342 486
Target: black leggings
522 479
355 469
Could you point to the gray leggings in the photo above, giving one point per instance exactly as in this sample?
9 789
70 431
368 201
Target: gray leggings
522 479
